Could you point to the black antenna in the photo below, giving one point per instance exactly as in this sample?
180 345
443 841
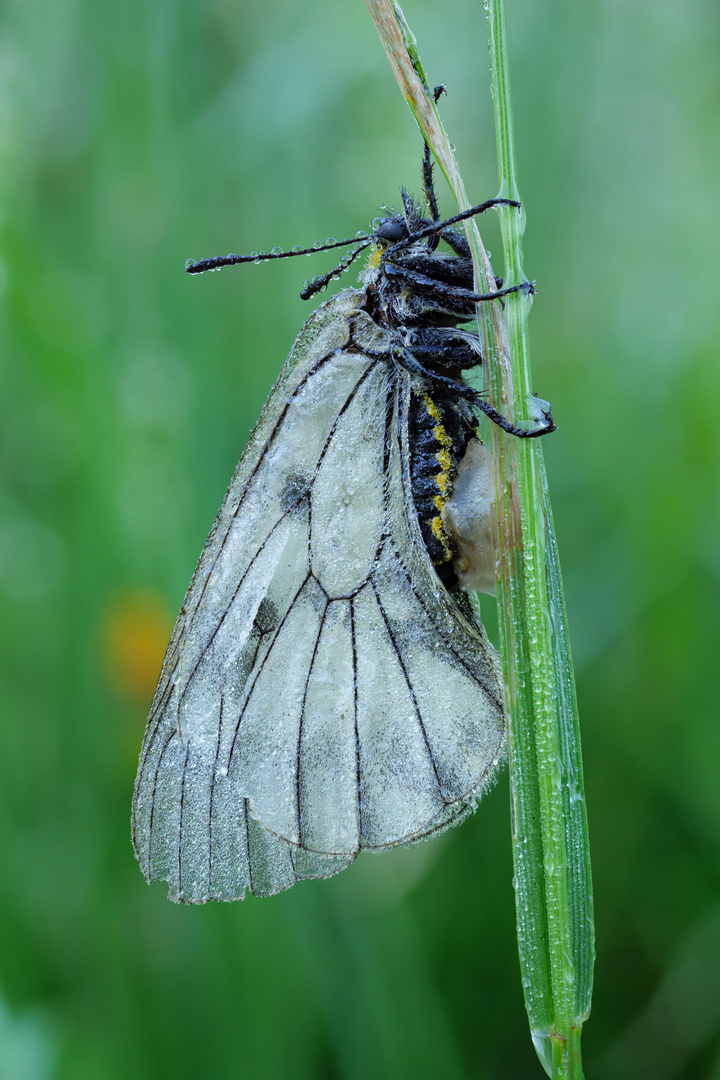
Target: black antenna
319 283
218 261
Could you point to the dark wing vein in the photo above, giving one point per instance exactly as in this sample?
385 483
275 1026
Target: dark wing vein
213 778
154 792
461 661
302 717
247 845
256 673
182 811
401 662
355 707
147 747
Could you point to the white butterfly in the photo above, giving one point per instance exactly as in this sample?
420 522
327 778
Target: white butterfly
323 691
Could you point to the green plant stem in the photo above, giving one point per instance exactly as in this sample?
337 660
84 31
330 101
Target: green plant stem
550 844
549 828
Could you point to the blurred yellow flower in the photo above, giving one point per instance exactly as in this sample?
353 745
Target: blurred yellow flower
136 629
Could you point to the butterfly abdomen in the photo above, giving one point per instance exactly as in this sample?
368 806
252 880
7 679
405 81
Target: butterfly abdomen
440 429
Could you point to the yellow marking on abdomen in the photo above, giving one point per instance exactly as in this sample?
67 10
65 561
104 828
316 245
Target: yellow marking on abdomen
443 479
441 536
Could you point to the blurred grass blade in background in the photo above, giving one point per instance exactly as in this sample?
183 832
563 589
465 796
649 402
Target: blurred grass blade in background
549 828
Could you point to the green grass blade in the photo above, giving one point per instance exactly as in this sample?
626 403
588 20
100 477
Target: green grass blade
551 854
549 828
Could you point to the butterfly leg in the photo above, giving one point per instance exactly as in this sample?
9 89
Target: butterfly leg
408 361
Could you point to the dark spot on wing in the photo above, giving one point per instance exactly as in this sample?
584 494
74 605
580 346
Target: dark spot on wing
294 488
267 617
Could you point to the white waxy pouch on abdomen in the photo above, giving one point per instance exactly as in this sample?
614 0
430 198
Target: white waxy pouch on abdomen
469 520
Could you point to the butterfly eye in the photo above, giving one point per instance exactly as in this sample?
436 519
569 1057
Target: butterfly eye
391 229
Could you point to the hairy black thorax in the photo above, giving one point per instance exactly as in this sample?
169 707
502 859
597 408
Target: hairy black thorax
418 294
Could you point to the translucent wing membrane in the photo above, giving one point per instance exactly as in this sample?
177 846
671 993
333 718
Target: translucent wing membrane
322 692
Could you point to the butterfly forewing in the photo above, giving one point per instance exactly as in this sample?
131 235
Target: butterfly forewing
322 692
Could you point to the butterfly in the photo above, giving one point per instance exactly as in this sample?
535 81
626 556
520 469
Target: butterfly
329 687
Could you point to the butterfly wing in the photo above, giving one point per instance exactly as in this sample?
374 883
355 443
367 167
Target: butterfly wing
321 692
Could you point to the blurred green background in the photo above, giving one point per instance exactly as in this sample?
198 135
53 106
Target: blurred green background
134 135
